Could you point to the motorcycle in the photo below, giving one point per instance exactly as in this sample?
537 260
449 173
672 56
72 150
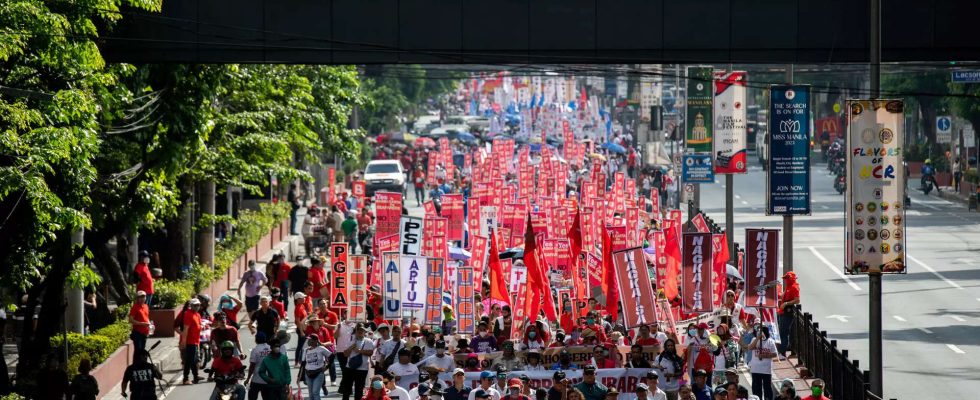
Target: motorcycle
226 386
838 163
840 184
927 183
206 353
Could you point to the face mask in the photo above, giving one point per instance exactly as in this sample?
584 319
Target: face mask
483 333
276 350
146 260
816 391
532 335
692 332
590 321
376 385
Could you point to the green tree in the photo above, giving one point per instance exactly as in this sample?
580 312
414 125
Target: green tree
923 90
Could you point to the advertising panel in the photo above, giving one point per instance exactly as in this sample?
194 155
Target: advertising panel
788 170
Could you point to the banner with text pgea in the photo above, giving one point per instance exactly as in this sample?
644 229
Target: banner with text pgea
875 240
788 172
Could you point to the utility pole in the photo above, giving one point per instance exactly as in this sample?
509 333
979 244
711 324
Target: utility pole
75 321
874 278
788 219
205 236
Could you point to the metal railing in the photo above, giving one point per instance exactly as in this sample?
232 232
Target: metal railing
843 377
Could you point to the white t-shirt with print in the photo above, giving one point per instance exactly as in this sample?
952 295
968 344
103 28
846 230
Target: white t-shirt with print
494 394
316 358
398 393
408 374
761 365
364 344
255 357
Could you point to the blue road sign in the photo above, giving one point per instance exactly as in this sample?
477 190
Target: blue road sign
966 76
697 168
943 124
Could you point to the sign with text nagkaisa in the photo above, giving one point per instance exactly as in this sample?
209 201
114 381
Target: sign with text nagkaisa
636 290
338 275
875 239
762 247
696 273
357 279
788 172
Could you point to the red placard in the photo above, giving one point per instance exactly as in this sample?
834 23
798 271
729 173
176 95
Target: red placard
473 219
636 291
465 309
430 209
519 311
719 283
549 250
593 265
331 185
700 223
440 247
358 190
696 274
452 208
388 212
357 279
433 294
479 253
660 241
761 258
655 200
618 236
338 275
563 258
632 226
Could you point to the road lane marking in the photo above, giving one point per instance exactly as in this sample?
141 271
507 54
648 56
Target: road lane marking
824 207
899 317
957 318
955 349
925 330
833 268
841 318
929 205
738 197
745 202
928 268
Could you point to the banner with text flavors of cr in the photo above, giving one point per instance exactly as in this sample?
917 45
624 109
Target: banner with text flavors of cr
788 169
699 109
697 168
875 240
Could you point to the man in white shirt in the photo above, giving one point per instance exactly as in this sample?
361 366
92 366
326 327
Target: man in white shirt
358 355
649 392
439 362
388 345
395 392
406 374
484 391
261 350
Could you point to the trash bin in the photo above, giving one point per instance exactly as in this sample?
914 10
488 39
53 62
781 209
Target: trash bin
972 204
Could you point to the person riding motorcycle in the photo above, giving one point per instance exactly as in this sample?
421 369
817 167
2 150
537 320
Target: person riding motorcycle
228 369
928 175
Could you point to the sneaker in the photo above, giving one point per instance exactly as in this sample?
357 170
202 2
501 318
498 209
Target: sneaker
197 379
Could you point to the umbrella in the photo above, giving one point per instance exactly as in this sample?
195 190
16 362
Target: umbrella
456 253
425 142
733 272
409 138
597 156
613 147
466 137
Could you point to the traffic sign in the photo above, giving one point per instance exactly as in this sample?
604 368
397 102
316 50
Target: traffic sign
944 129
966 76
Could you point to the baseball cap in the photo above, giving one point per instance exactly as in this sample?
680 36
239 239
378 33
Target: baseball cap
423 389
642 387
486 375
299 295
732 371
559 375
651 374
589 367
703 325
514 382
482 394
700 372
458 371
195 301
384 325
441 344
612 392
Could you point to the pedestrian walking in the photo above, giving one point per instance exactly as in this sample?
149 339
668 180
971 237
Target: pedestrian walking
764 350
253 280
140 378
139 318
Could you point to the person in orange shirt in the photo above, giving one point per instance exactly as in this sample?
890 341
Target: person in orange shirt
144 279
190 340
318 276
139 318
301 313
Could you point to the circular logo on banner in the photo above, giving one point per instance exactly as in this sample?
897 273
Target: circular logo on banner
877 193
859 248
790 94
884 220
858 234
885 248
898 235
884 206
872 221
857 108
897 220
872 206
872 234
740 165
884 234
690 161
858 221
867 136
859 207
836 107
898 247
700 86
886 135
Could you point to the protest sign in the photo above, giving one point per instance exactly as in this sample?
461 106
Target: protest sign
762 246
636 290
338 275
392 285
465 307
411 236
413 282
433 297
696 277
388 211
357 279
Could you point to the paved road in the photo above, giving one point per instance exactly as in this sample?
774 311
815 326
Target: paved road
931 315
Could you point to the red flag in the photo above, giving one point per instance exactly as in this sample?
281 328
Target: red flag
537 281
498 283
610 286
673 253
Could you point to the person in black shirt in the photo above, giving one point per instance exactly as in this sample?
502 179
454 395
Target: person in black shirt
636 358
558 388
265 319
298 276
141 378
459 390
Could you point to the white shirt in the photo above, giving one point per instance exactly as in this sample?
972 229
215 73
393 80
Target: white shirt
255 358
398 393
671 384
364 344
658 395
445 362
758 365
408 374
387 347
316 358
494 394
344 336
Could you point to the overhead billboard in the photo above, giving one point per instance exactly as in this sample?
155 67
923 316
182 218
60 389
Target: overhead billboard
788 162
875 239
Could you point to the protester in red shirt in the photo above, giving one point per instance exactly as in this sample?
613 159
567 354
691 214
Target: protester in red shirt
190 340
301 312
567 319
144 279
790 297
315 327
230 306
817 388
280 277
330 319
139 318
318 276
277 304
228 365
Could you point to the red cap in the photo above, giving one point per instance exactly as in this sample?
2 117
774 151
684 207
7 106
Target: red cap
703 325
514 382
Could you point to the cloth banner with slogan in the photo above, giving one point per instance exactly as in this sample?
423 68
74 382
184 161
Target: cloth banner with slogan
433 297
761 264
696 276
392 285
636 290
414 284
357 288
338 275
465 307
580 356
452 208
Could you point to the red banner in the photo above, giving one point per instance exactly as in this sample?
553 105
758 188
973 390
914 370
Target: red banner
465 309
549 251
632 226
338 275
655 200
331 185
719 283
385 244
593 265
388 212
700 223
357 278
452 208
761 258
618 236
696 276
433 296
636 291
440 247
358 190
479 252
675 215
430 209
519 311
563 258
473 220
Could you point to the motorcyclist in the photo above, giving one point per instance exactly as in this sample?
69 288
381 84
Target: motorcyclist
929 174
228 369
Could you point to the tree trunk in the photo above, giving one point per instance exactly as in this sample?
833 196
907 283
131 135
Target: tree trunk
103 257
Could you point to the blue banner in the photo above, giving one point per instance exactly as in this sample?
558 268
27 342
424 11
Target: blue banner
697 168
788 172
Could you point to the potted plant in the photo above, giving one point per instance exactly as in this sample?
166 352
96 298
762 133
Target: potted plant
168 300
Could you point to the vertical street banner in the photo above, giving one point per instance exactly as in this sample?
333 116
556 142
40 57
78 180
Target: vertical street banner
635 288
618 236
875 240
338 275
430 209
358 190
386 244
449 275
433 296
729 136
699 109
719 283
696 274
519 311
788 170
465 309
358 289
392 285
762 255
593 266
331 185
388 212
660 241
452 209
414 284
479 252
410 235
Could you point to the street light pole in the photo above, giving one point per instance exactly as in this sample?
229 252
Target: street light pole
874 278
788 219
